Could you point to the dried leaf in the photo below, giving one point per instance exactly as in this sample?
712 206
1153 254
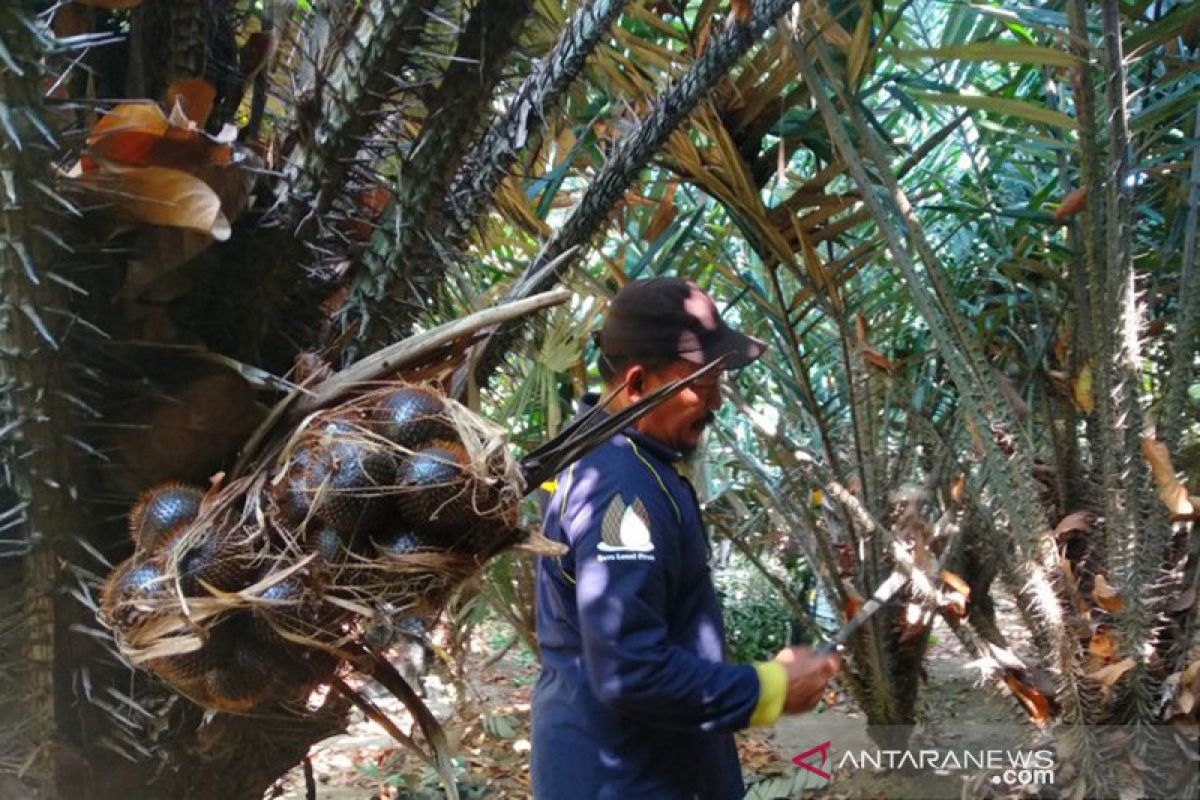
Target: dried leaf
1108 675
127 117
958 489
1106 596
1082 391
374 200
1173 494
193 96
854 603
878 359
1072 204
1076 521
1034 702
139 135
743 11
956 583
162 196
1103 644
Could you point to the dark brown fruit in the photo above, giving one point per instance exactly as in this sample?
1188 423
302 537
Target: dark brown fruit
435 490
401 544
411 417
294 609
294 494
161 509
188 669
130 582
339 476
327 542
220 559
354 499
246 674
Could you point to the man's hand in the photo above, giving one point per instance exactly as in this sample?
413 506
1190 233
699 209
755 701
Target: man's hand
808 674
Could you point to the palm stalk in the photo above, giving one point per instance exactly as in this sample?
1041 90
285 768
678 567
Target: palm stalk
39 472
405 261
628 158
1183 356
1024 522
519 129
1140 530
353 81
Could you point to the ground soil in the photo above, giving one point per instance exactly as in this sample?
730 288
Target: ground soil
491 729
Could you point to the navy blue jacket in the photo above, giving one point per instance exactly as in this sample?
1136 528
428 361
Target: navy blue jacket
635 699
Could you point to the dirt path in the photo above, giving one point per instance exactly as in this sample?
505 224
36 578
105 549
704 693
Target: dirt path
492 738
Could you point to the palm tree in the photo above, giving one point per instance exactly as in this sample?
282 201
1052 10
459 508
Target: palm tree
965 363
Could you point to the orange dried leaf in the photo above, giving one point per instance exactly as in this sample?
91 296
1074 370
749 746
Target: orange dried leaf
955 604
1103 644
194 97
145 118
1075 521
878 359
956 583
162 196
854 604
1034 702
1173 494
958 489
1082 391
860 327
1108 675
1106 596
375 200
743 11
1072 204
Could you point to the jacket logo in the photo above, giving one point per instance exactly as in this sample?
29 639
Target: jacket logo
625 529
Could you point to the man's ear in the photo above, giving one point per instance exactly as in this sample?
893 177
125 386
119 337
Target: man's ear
635 382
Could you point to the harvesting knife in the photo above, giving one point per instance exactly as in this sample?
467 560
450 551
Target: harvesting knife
886 591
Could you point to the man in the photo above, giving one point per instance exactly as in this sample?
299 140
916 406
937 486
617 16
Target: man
635 699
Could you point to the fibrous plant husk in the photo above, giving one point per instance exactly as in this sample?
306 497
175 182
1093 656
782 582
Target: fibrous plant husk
260 588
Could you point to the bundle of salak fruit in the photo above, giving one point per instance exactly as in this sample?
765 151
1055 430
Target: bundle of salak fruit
374 505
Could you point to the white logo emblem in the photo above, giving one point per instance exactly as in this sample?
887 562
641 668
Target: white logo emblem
625 529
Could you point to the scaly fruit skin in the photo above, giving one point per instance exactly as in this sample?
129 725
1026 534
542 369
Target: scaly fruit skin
399 545
411 417
132 591
338 475
435 490
361 474
161 509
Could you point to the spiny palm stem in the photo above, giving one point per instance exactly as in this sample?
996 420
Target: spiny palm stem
629 157
1025 521
351 82
519 129
408 240
1140 535
38 472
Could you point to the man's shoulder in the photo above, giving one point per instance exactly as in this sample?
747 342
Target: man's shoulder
619 470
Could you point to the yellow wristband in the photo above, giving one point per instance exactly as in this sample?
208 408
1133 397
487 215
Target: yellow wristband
772 692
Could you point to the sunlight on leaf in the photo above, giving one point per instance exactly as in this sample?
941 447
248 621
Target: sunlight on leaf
1106 596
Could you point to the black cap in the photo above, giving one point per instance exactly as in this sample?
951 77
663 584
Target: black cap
673 317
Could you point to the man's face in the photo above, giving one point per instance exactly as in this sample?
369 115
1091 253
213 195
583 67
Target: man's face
680 421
